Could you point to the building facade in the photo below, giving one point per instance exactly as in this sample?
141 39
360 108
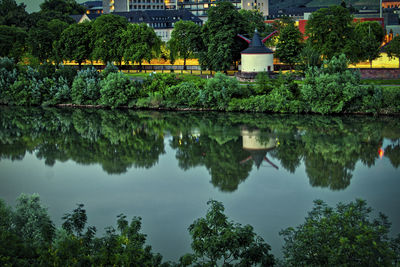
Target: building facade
261 5
110 6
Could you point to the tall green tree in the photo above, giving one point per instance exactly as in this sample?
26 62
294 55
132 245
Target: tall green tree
13 14
74 43
12 42
222 46
43 37
341 236
185 40
370 36
107 38
393 48
70 7
139 42
218 241
330 31
290 44
254 19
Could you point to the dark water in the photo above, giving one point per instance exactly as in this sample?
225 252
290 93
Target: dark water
165 166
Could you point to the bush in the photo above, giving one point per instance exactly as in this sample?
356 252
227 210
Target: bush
341 236
264 85
331 89
110 68
282 100
68 73
86 87
8 75
116 90
391 99
183 94
257 103
159 83
219 91
371 99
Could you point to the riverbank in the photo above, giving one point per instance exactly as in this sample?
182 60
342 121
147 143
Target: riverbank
332 89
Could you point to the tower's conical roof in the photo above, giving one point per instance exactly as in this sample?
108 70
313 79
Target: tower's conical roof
256 46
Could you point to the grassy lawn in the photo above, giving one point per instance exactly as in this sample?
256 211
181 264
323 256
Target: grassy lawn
381 82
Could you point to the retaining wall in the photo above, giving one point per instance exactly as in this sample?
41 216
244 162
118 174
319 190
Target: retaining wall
380 73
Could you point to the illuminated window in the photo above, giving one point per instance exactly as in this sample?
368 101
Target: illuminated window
205 6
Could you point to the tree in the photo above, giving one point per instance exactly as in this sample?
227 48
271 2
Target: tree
222 46
107 38
12 42
43 37
69 7
217 240
393 48
289 44
12 14
341 236
330 31
139 42
309 57
185 39
370 36
254 19
74 43
331 88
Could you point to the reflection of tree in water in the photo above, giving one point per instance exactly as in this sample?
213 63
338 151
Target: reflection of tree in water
393 153
118 140
222 160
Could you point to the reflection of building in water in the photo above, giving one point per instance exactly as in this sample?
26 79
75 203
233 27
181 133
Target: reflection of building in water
258 147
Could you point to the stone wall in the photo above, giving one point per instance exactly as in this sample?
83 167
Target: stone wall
380 73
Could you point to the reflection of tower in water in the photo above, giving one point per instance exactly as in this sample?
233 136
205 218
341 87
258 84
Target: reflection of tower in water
258 146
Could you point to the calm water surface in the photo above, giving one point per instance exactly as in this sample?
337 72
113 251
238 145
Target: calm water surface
164 167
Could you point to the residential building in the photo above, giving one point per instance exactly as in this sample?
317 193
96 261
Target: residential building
110 6
162 21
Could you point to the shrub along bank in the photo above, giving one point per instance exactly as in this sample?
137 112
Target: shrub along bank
332 88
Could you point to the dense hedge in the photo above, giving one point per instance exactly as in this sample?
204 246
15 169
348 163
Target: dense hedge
332 88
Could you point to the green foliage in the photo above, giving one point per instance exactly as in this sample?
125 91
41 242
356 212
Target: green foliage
116 89
393 48
74 43
254 20
289 44
219 90
68 73
264 84
13 14
185 40
110 68
332 88
139 42
219 241
107 38
63 6
391 99
43 37
222 46
8 75
185 94
86 87
159 82
12 42
341 236
32 222
330 31
309 57
369 36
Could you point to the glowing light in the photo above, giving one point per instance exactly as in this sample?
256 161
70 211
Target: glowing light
381 152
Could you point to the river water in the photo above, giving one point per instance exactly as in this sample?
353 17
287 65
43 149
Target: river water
165 166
